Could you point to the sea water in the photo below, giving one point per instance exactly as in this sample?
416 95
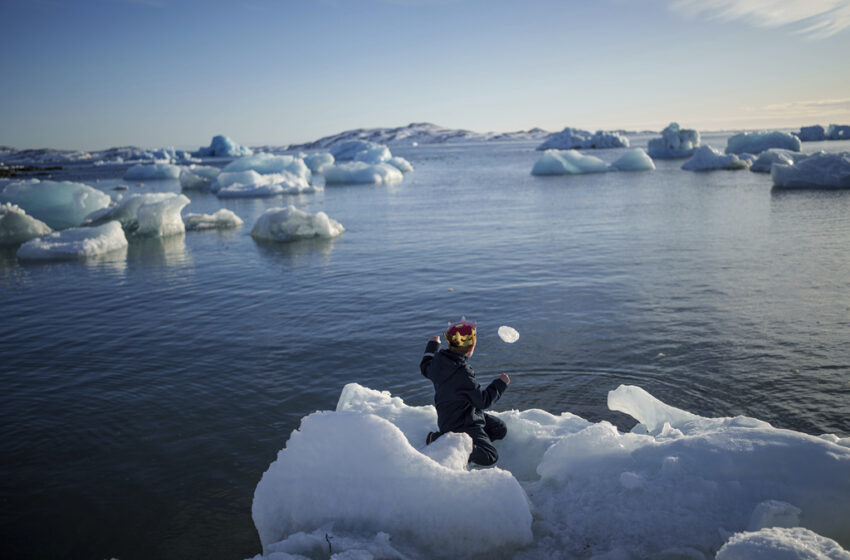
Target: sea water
144 393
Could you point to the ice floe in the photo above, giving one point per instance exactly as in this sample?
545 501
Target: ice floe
221 219
674 143
222 146
706 158
244 184
781 544
291 224
573 138
358 172
198 177
634 160
75 243
678 485
268 164
17 227
567 162
819 171
152 172
767 158
59 204
757 142
145 215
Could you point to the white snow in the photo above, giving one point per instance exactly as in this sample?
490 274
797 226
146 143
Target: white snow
149 214
290 224
75 243
675 142
572 138
757 142
820 171
58 204
17 227
568 162
781 544
706 158
677 486
222 146
508 334
358 172
634 160
221 219
152 172
198 177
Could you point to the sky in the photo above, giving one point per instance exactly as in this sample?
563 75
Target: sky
92 74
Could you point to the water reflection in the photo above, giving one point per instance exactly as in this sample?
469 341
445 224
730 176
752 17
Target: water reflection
296 250
169 251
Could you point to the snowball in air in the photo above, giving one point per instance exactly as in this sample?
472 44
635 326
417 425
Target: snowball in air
508 334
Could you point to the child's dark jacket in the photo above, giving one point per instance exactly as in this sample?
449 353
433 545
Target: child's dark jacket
458 397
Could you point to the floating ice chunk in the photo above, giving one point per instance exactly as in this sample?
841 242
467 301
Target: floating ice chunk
319 543
290 224
198 177
757 142
572 138
818 171
149 214
16 227
401 164
152 172
358 172
222 146
359 472
58 204
781 544
347 151
706 158
268 164
222 219
675 142
814 133
317 162
838 132
75 243
634 160
767 158
244 184
773 513
508 334
569 162
374 154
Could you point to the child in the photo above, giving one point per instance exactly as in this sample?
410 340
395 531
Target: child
458 396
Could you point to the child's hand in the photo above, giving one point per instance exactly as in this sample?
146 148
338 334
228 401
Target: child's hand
434 339
504 377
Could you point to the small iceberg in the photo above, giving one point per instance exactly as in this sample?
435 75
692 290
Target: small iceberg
767 158
269 164
757 142
291 224
145 215
817 171
575 138
814 133
59 204
17 227
706 158
838 132
198 177
318 161
152 172
778 543
75 243
359 172
222 146
222 219
634 160
567 162
674 143
248 184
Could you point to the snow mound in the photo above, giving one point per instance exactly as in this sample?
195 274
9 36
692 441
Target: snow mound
243 184
75 243
674 143
781 544
358 172
317 162
58 204
757 142
838 132
677 484
291 224
222 219
819 171
634 160
572 138
569 162
145 215
767 158
222 146
814 133
16 227
152 172
706 158
198 177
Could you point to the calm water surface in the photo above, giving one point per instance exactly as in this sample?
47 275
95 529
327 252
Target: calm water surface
144 394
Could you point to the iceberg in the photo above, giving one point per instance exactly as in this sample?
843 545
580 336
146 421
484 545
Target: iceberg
348 151
401 164
358 172
317 162
634 160
568 162
267 164
222 146
152 172
819 171
674 143
16 226
814 133
706 158
222 219
60 204
198 177
360 477
838 132
75 243
145 215
572 138
243 184
374 154
757 142
291 224
781 544
767 158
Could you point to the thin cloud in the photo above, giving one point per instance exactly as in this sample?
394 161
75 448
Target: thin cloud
817 19
812 109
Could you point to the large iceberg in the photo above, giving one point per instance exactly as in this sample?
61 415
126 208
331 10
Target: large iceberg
757 142
17 227
706 158
291 224
152 172
573 138
145 215
59 204
221 219
677 486
675 142
75 243
222 146
819 171
634 160
567 162
358 172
